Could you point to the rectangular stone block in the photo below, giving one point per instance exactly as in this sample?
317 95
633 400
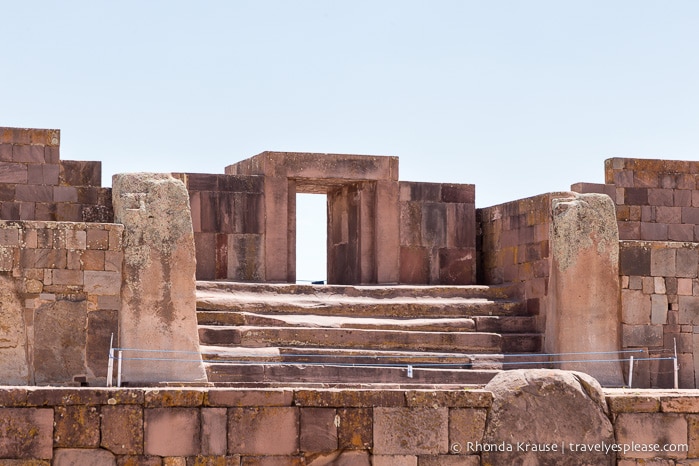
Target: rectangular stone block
635 196
660 197
642 335
634 259
28 153
5 152
97 239
13 173
80 173
686 263
76 427
654 231
466 425
122 429
688 310
101 325
414 265
102 283
65 194
34 193
26 433
356 430
394 460
318 430
250 397
651 428
263 431
659 309
663 262
214 434
683 233
401 431
172 432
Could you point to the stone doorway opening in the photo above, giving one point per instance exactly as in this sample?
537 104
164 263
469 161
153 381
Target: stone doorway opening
311 238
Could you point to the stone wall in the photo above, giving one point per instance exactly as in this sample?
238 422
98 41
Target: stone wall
60 285
228 220
514 246
437 234
36 185
219 426
660 307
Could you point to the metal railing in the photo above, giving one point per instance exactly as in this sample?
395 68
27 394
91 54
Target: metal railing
117 354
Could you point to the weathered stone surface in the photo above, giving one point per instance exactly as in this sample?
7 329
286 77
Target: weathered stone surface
356 429
172 432
340 458
584 309
263 431
122 429
26 433
14 366
59 341
547 407
158 290
76 427
75 457
214 431
402 431
318 430
649 429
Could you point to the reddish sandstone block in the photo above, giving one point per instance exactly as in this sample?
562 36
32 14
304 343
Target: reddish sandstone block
318 430
683 233
76 427
272 461
67 277
102 283
173 397
65 194
5 152
26 433
400 431
663 262
263 431
13 173
214 434
172 432
34 193
466 425
356 430
75 456
651 428
414 265
642 335
28 153
122 429
101 325
249 397
93 260
661 197
635 307
113 261
97 239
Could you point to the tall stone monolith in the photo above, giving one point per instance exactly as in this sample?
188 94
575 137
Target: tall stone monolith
584 312
158 303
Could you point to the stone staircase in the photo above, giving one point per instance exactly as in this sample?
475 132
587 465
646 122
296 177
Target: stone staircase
266 334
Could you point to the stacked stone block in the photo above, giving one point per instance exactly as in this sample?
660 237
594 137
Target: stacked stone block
36 185
657 200
437 234
61 287
660 308
514 245
241 427
228 220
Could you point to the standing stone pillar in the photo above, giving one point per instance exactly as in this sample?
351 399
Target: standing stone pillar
158 303
584 313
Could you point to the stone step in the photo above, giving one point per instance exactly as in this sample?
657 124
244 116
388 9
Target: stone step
331 374
495 292
495 324
497 361
397 307
477 342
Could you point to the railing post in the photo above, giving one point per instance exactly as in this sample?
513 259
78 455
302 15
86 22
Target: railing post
121 354
631 371
110 362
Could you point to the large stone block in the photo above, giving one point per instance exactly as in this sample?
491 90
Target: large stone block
172 432
122 429
584 306
26 433
402 431
59 341
74 457
14 363
664 430
318 431
546 407
158 288
263 431
76 427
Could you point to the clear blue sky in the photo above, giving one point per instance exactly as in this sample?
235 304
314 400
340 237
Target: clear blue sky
516 97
